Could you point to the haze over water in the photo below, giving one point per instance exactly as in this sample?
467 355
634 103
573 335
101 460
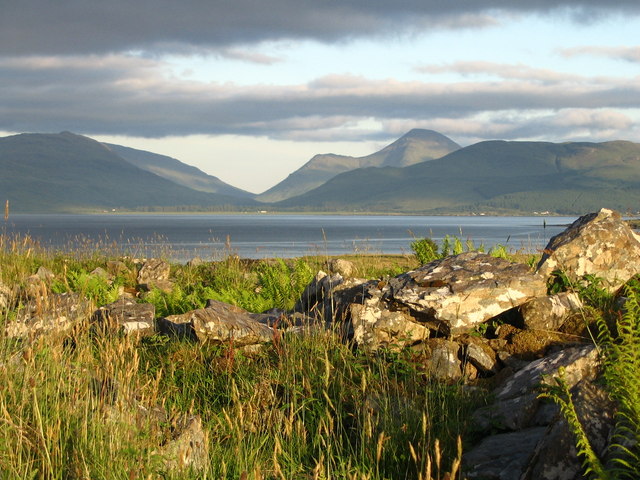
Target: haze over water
212 237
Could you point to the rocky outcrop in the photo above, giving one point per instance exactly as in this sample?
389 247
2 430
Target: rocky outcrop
599 244
462 291
530 430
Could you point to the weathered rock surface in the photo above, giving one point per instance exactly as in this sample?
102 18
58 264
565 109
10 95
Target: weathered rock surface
578 363
343 267
128 315
599 244
154 273
189 450
6 296
549 313
503 456
462 291
223 323
52 314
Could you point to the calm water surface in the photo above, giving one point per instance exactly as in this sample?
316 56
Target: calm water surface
260 236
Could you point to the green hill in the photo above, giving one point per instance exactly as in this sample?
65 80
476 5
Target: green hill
176 171
416 146
492 177
70 173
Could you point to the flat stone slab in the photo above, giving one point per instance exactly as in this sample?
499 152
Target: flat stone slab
224 323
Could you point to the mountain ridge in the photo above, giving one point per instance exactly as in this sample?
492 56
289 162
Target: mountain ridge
66 172
176 171
493 176
415 146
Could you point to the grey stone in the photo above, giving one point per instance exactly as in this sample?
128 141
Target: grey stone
128 315
343 267
556 456
53 313
117 268
223 323
374 326
478 352
511 414
154 273
444 362
6 296
578 363
189 450
462 291
549 313
599 244
503 456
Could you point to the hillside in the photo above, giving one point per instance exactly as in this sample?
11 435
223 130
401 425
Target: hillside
492 177
176 171
414 147
68 172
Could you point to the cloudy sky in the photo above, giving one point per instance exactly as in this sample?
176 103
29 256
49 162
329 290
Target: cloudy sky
249 90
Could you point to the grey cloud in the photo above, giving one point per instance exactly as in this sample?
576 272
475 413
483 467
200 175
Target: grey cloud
80 26
505 71
127 96
629 54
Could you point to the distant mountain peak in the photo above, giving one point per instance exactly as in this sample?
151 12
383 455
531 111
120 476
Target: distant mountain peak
417 145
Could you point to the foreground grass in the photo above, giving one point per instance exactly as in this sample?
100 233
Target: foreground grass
81 405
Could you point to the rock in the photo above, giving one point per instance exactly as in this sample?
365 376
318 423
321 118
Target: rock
195 262
127 315
556 456
117 268
503 456
52 314
154 273
376 327
478 352
444 362
223 323
462 291
344 268
189 450
317 295
511 414
599 244
45 274
549 313
6 296
578 362
101 273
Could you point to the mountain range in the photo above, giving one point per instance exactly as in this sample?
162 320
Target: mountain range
422 172
414 147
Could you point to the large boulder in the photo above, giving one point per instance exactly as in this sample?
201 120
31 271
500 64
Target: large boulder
599 244
556 456
220 323
53 313
459 292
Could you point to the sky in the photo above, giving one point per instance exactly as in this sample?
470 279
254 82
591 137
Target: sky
250 90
